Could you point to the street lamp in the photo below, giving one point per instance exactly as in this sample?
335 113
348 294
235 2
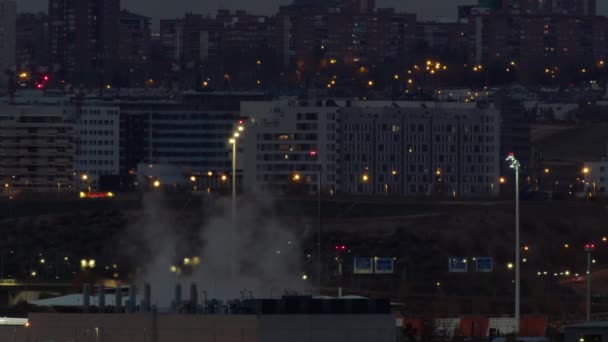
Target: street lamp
233 141
85 180
589 248
514 164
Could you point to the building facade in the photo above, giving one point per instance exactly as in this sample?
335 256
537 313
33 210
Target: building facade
307 36
420 149
401 148
98 144
37 148
134 48
84 41
290 145
32 42
8 14
537 36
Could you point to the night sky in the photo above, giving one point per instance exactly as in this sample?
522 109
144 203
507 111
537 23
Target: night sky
175 8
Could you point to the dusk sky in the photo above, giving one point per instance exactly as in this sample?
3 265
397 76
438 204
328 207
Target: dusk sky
166 9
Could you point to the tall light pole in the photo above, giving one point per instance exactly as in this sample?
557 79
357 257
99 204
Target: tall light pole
233 141
514 164
589 248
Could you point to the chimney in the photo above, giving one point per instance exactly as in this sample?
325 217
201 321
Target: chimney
178 298
101 297
145 304
118 294
86 297
132 299
194 298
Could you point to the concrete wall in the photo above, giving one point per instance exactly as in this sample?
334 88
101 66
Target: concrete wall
13 333
141 328
327 328
202 328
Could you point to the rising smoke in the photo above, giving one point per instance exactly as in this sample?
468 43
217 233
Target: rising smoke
261 257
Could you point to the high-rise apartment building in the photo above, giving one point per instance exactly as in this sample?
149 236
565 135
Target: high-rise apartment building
134 41
8 13
32 41
171 38
84 40
559 34
307 36
198 39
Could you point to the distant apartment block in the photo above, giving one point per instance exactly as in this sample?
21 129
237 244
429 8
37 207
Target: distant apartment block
342 31
36 148
536 35
32 41
84 40
134 44
8 14
195 38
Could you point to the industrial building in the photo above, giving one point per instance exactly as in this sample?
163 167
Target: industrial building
291 318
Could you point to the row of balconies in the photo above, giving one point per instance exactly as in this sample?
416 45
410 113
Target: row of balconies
35 172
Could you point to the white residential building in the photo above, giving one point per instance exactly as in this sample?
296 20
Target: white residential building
414 149
373 147
288 143
8 15
98 142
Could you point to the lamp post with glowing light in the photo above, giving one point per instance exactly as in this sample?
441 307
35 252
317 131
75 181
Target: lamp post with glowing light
233 141
515 165
85 180
589 248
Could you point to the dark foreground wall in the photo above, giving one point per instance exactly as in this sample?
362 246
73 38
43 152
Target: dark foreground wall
13 333
207 328
327 328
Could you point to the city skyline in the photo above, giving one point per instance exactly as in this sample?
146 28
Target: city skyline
427 9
